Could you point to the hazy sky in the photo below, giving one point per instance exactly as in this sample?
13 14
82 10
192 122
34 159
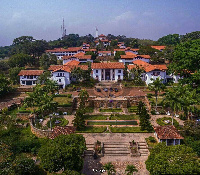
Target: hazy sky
149 19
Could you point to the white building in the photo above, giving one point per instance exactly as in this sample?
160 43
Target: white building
62 73
127 50
60 52
168 134
121 45
104 53
29 77
150 71
81 57
103 39
112 71
130 57
86 46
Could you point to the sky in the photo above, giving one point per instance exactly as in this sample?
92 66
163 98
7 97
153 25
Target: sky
144 19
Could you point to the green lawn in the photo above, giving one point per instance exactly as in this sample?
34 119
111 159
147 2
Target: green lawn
113 117
132 109
91 129
89 109
125 117
161 122
112 123
127 130
63 122
111 110
63 100
96 117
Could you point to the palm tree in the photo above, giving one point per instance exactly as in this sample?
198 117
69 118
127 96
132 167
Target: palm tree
156 86
173 100
130 169
109 167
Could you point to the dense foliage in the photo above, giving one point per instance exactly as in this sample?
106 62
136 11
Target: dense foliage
178 159
64 152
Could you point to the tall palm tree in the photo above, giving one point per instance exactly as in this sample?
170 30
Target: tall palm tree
109 167
130 169
156 86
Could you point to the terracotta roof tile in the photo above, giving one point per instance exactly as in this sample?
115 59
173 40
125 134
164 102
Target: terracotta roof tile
30 72
111 65
159 47
54 67
70 49
119 49
104 51
144 56
58 130
167 132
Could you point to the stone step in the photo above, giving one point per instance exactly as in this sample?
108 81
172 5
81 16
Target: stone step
143 151
116 152
144 154
142 147
116 148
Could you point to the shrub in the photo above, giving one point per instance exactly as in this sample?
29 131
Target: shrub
152 139
153 112
149 95
69 95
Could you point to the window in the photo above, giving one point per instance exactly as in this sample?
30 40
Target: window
25 76
33 82
119 71
59 80
118 77
97 71
23 82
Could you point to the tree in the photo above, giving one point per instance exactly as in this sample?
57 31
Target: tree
137 72
171 39
109 167
114 43
185 58
4 85
25 166
20 60
130 169
64 152
178 159
47 59
156 86
83 95
13 74
118 53
94 55
190 36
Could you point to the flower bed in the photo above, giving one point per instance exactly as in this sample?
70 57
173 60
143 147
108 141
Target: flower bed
62 122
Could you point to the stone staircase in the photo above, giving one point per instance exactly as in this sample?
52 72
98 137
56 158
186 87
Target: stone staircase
116 149
90 149
142 148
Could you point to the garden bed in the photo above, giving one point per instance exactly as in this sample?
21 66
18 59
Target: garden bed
111 110
91 129
112 122
60 122
161 121
112 117
127 130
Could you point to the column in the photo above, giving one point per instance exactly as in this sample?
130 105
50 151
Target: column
104 74
111 74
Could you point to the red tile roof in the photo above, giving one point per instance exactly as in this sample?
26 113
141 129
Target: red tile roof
30 72
131 66
80 55
104 51
149 67
92 50
159 47
119 49
60 130
111 65
144 56
70 49
167 132
128 56
102 35
54 67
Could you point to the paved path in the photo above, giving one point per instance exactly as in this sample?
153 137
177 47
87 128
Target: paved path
155 117
116 137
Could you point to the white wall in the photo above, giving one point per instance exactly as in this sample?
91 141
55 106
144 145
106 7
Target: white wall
134 59
120 74
149 76
64 79
34 79
95 74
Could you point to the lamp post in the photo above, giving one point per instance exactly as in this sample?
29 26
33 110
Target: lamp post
50 116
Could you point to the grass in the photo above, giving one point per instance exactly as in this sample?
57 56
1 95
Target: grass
161 122
151 141
63 122
111 110
89 109
112 123
132 109
91 129
125 117
96 117
127 130
62 100
112 117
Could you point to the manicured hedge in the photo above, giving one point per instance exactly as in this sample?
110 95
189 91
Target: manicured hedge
111 110
91 129
127 130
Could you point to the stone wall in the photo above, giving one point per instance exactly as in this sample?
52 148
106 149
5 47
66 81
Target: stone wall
39 132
